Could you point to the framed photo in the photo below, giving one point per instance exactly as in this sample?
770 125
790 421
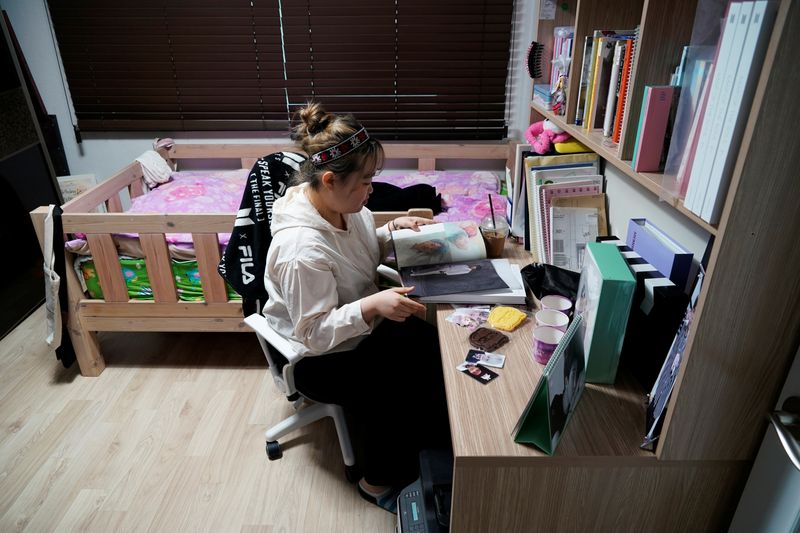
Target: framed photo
72 186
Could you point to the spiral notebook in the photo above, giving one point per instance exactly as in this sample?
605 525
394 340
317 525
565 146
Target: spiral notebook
552 403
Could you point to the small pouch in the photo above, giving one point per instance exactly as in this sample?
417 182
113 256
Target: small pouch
506 318
487 339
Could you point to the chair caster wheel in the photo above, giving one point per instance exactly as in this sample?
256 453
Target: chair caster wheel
274 450
351 473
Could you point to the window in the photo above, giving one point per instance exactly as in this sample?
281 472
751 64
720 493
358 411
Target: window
408 69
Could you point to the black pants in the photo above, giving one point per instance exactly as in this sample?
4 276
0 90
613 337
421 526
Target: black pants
391 386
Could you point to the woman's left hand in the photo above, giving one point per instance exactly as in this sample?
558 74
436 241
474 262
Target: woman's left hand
412 223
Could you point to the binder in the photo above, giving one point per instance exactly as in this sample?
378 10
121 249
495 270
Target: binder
660 250
738 108
656 313
605 293
728 54
556 395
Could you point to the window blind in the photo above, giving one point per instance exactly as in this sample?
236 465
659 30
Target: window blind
408 69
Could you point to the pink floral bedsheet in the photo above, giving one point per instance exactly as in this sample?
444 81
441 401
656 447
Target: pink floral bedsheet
465 194
197 192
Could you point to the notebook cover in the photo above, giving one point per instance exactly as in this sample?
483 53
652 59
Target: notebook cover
650 140
605 293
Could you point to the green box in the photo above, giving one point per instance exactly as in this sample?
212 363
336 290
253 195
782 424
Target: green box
605 294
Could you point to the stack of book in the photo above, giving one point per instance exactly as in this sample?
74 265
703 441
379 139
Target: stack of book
658 303
566 207
608 56
710 155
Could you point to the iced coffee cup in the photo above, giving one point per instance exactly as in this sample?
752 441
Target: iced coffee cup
495 232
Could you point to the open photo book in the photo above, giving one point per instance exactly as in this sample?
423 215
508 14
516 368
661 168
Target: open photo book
446 263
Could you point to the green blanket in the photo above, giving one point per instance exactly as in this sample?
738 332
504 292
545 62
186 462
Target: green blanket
134 271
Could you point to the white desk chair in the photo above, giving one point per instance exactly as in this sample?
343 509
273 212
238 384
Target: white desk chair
307 411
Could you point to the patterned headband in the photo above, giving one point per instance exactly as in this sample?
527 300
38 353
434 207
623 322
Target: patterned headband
341 149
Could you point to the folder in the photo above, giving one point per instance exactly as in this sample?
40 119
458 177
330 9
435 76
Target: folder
660 250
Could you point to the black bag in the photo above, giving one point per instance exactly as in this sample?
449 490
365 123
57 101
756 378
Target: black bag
544 279
244 260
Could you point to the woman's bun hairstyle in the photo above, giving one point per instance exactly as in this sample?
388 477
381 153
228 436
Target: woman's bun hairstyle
316 130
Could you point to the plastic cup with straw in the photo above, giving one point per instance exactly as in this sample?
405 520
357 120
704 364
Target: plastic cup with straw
494 229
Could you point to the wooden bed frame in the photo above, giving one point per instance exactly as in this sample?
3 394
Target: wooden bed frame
166 312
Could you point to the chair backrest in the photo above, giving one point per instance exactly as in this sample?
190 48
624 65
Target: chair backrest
244 260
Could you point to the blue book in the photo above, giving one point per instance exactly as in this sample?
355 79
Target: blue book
660 250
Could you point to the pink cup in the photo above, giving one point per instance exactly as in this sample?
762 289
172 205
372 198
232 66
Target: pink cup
545 340
552 318
557 303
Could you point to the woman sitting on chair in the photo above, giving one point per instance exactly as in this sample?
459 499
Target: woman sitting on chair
320 276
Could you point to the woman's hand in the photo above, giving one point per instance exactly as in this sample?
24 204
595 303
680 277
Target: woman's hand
412 223
391 303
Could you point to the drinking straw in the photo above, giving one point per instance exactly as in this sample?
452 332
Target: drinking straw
491 208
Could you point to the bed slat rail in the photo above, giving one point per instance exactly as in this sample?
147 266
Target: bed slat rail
106 191
136 189
206 248
142 223
426 154
106 262
159 267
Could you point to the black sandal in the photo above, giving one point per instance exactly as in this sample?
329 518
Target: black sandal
387 500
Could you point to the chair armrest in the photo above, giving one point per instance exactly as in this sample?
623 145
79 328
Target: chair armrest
262 328
389 273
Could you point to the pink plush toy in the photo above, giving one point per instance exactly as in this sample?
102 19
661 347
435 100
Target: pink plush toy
541 136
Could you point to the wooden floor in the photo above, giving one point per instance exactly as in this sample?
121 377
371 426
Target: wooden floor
169 438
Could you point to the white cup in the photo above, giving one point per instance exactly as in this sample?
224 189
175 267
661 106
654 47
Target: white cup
556 302
552 318
545 340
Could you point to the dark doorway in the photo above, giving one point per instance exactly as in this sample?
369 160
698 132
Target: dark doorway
26 182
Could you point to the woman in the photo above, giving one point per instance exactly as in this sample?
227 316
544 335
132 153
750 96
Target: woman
320 276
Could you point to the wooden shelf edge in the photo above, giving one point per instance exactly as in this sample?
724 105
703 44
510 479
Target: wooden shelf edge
649 180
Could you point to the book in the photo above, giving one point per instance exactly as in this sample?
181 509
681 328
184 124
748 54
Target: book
605 293
627 66
594 201
586 68
572 229
727 61
662 388
550 407
517 197
738 108
613 88
446 260
588 185
687 160
657 104
656 312
660 250
514 294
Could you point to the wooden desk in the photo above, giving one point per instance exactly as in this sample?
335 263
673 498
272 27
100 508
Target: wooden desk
597 473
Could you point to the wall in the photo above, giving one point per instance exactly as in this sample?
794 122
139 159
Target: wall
104 153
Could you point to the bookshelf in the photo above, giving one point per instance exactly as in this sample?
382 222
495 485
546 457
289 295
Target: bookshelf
651 181
745 331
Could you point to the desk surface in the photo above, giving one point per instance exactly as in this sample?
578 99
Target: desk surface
608 421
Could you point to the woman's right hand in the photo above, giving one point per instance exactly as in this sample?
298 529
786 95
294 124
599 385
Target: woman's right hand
390 303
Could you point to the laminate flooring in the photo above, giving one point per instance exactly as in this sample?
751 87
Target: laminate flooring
170 437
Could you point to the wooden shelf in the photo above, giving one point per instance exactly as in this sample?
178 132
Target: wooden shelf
651 181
